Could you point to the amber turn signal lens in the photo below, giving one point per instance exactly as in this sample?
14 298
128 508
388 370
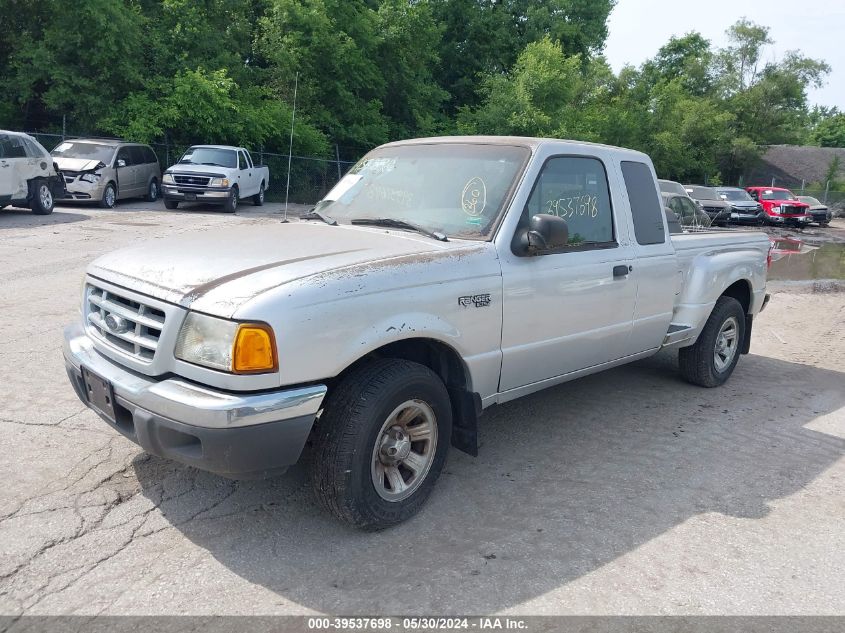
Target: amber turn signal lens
255 349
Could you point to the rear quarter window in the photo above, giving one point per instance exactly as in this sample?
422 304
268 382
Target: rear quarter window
646 207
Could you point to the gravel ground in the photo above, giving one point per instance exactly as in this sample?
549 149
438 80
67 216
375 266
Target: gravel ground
628 492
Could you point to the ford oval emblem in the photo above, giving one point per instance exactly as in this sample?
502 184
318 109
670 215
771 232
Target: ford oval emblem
116 324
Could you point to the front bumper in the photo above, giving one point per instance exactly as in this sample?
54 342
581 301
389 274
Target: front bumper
821 217
208 195
794 220
78 189
747 216
238 435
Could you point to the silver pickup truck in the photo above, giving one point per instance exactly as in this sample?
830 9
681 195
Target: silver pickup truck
438 278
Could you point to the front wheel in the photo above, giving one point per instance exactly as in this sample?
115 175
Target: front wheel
258 199
109 198
711 361
42 203
231 204
381 443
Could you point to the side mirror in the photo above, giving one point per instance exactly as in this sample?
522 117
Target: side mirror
544 233
121 162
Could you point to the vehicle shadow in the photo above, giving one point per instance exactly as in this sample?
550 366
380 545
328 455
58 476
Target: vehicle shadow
16 218
567 480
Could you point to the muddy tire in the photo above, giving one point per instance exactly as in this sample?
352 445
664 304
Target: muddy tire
109 198
42 198
711 361
231 204
381 443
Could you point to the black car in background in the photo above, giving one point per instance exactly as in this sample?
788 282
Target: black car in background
744 208
820 212
711 203
682 213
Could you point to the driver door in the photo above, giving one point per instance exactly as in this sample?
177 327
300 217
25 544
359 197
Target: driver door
568 310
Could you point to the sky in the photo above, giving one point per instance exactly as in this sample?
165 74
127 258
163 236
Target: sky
638 28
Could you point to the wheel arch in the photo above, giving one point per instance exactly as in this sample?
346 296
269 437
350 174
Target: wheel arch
445 361
741 291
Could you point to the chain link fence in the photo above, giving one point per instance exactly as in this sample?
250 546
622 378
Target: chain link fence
311 177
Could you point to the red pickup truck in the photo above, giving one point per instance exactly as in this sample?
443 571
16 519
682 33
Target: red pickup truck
782 207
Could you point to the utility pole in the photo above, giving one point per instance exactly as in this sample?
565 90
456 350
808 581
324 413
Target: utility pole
64 126
337 155
290 146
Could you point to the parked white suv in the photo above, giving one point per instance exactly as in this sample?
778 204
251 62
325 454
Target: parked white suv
28 177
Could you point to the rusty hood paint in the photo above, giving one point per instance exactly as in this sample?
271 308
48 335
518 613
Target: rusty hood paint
198 270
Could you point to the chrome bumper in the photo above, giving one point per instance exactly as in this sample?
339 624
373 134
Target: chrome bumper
188 402
238 435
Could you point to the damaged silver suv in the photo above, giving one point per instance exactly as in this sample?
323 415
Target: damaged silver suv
28 175
107 170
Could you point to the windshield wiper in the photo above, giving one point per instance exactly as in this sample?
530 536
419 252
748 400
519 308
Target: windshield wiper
400 224
311 214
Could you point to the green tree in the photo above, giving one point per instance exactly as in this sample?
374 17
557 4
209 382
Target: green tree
208 106
830 132
333 45
70 58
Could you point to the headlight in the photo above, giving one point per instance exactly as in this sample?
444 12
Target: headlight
168 178
775 209
240 348
90 177
219 182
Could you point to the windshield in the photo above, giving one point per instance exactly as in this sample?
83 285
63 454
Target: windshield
210 156
810 200
778 195
88 151
703 193
736 195
670 186
455 189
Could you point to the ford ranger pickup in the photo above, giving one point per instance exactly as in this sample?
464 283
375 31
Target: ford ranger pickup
438 278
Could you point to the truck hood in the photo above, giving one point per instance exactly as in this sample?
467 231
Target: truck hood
185 168
220 270
77 164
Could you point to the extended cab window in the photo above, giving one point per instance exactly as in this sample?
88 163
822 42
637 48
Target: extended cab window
645 203
575 188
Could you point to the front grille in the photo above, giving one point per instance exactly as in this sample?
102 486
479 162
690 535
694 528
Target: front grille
200 181
138 328
712 209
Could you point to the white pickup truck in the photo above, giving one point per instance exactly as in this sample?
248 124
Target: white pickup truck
215 174
438 278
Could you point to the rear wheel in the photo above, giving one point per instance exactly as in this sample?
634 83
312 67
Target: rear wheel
711 361
170 204
152 191
381 443
42 201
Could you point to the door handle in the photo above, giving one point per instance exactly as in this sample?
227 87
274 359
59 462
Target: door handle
621 270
